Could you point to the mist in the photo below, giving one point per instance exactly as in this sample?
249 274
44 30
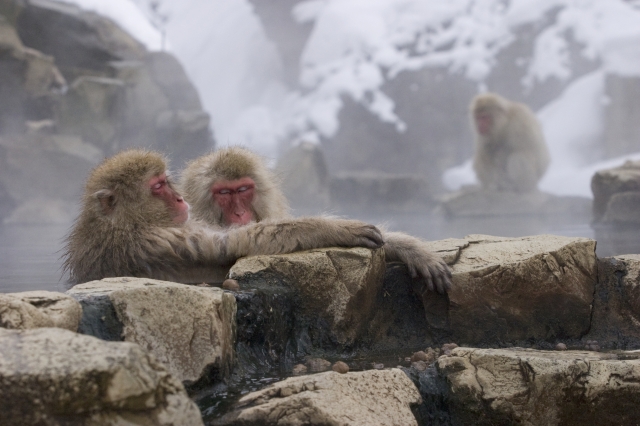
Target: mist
378 88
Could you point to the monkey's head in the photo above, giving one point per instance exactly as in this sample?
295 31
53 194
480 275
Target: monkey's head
132 188
489 113
232 186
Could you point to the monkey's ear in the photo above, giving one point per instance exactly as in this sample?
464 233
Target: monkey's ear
107 200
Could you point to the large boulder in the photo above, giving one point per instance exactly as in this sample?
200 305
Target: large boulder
371 397
616 194
529 387
510 290
51 376
190 329
34 309
333 289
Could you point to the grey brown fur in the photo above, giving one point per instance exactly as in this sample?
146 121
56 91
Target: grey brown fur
136 235
426 267
514 155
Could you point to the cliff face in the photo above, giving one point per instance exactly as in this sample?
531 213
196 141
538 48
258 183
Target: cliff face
74 88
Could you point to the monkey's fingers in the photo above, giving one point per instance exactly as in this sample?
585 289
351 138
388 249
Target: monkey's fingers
370 236
436 276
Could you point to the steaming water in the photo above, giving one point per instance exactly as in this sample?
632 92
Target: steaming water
30 255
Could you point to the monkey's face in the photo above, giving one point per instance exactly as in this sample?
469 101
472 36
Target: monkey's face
234 197
484 122
161 189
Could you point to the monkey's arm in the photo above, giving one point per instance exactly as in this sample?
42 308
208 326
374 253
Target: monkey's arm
286 236
174 250
423 264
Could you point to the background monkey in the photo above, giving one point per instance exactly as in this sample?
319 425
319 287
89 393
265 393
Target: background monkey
511 154
133 223
233 187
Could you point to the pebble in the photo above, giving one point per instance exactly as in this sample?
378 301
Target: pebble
231 285
340 367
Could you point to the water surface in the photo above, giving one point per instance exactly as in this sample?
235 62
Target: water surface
30 255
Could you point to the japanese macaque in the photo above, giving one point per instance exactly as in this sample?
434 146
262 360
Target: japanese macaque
511 154
233 187
134 223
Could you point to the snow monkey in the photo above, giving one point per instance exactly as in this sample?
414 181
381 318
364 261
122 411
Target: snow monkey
233 187
134 223
511 154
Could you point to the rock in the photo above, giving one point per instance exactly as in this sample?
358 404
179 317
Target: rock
449 347
305 179
623 208
525 386
77 39
356 398
340 367
316 365
333 288
475 201
616 306
427 357
190 329
561 347
518 289
616 192
419 365
119 96
34 309
231 285
71 379
299 369
381 192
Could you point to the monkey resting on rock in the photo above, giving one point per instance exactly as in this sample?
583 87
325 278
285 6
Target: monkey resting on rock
511 154
233 187
133 223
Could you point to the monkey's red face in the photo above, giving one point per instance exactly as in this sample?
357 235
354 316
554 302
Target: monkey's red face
484 122
161 188
234 198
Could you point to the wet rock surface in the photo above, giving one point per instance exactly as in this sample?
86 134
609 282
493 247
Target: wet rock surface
616 308
332 291
51 376
190 329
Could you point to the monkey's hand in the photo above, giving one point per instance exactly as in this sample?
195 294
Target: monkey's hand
364 234
427 269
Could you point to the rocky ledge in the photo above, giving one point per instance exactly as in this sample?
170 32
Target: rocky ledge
512 300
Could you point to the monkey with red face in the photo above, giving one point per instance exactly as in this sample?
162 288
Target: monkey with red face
511 154
233 187
134 223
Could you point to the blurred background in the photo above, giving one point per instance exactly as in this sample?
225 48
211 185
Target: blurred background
360 105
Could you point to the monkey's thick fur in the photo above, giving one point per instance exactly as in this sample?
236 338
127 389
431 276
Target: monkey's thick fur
430 271
133 234
513 156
